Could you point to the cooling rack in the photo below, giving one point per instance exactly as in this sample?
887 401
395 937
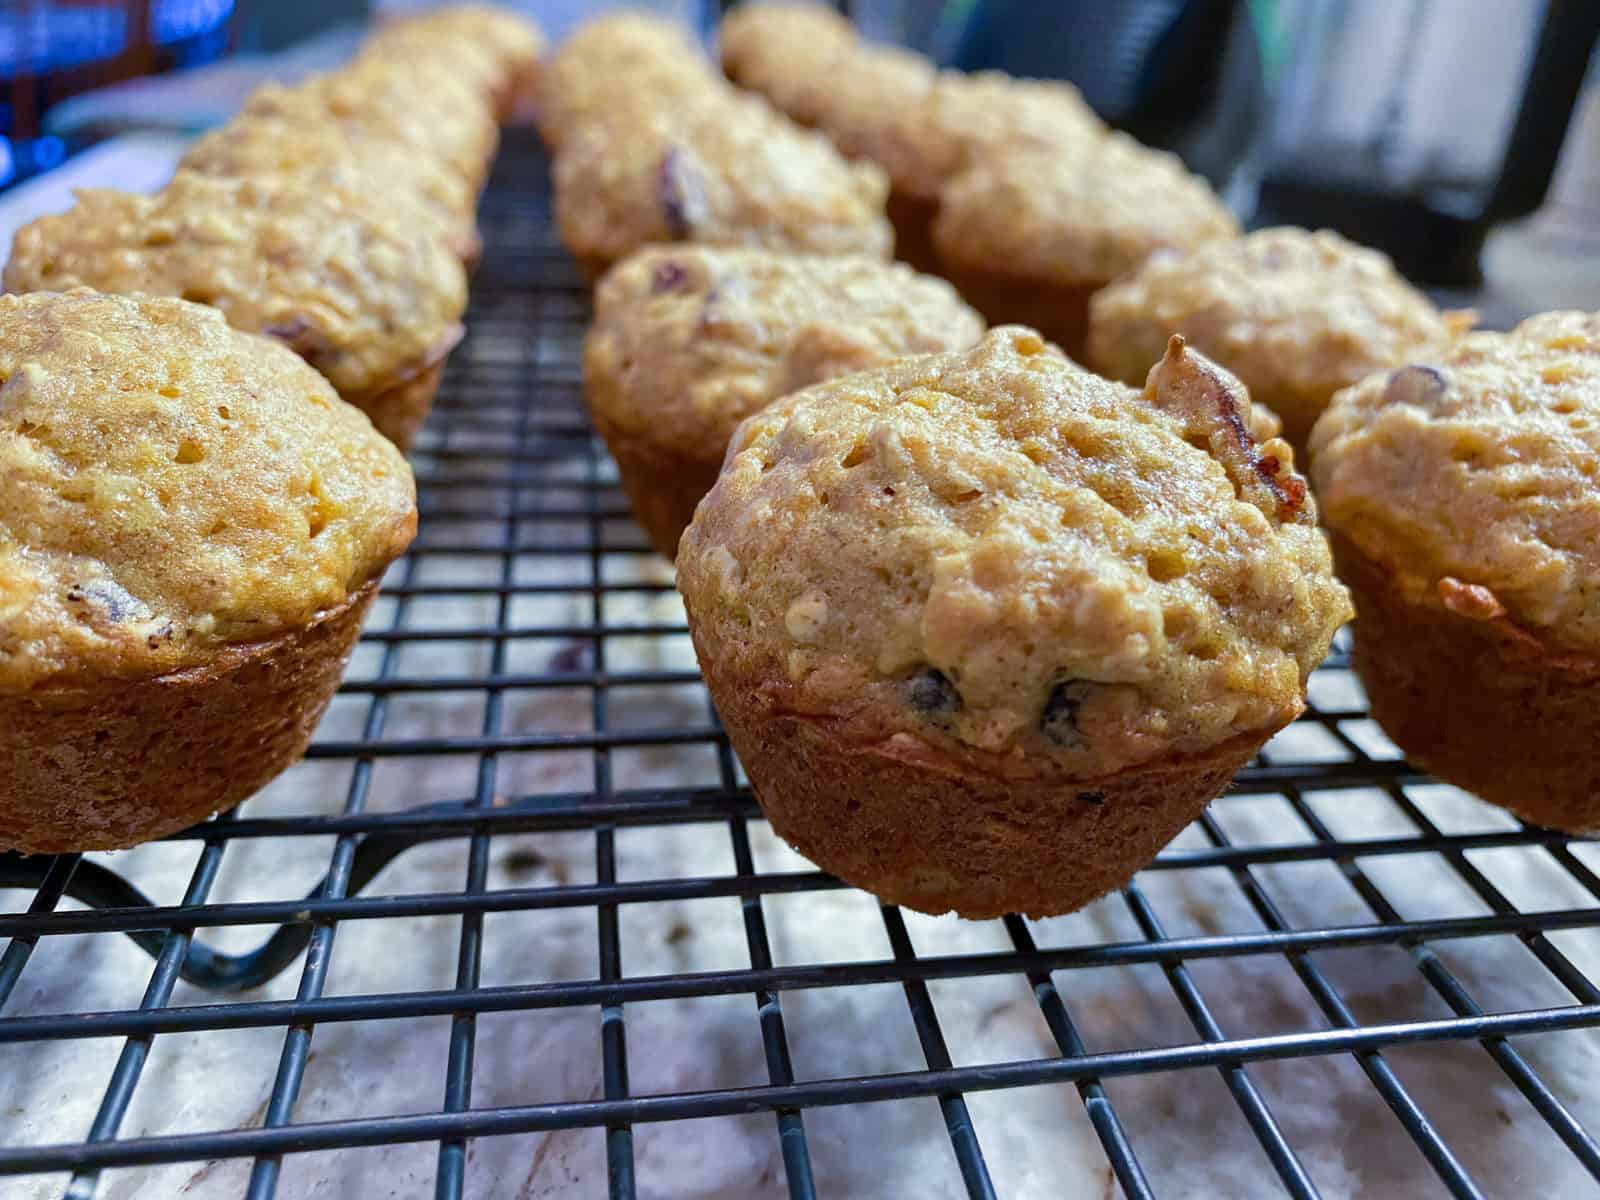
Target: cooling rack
1336 936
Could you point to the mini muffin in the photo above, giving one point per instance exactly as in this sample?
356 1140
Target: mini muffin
500 48
987 630
730 172
382 174
375 309
373 101
688 341
1465 512
1295 315
624 62
192 527
789 53
1031 234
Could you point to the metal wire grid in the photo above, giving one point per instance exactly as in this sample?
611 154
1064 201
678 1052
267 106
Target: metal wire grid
509 459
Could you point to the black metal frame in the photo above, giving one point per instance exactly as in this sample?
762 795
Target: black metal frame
504 430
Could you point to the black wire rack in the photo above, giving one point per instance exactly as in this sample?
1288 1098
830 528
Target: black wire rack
1337 936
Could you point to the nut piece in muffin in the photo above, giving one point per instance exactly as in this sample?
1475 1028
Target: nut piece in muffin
1465 512
988 630
729 171
191 529
1030 234
1295 315
375 309
687 341
618 64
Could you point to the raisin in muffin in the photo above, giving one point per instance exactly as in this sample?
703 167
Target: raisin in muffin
988 630
687 341
384 176
375 309
191 529
1295 315
728 171
615 65
1030 234
1462 495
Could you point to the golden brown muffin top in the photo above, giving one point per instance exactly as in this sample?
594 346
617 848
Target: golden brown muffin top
787 53
1286 310
511 43
173 486
731 172
621 62
687 341
1075 217
998 556
374 102
891 105
325 154
1472 476
362 301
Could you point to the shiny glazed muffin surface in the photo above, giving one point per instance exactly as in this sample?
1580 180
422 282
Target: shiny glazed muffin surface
172 486
689 340
1013 561
364 302
1474 477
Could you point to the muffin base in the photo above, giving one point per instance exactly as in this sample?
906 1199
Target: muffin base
1479 703
920 829
912 218
130 761
663 488
398 410
1058 312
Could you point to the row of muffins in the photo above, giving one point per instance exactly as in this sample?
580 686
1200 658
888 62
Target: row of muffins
336 215
1023 752
849 746
1012 188
193 522
1017 193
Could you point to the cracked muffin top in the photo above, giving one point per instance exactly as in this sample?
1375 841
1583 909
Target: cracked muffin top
729 172
687 341
1473 478
1074 218
1295 315
455 134
997 555
622 62
365 303
173 486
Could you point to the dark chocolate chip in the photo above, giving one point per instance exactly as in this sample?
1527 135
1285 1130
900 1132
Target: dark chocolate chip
292 332
668 277
932 693
1059 721
681 192
1415 384
1091 797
